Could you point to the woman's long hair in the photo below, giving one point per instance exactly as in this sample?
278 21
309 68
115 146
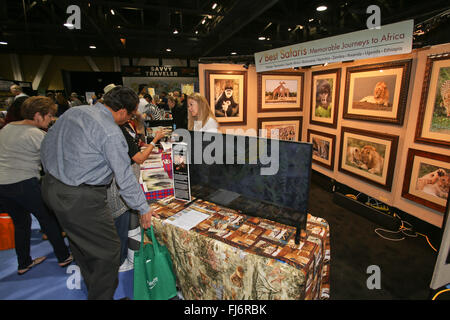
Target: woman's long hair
204 111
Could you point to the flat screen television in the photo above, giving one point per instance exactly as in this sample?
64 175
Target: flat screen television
258 176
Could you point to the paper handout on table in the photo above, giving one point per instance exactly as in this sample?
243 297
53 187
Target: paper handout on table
187 218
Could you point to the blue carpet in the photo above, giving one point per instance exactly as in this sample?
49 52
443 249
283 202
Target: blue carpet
48 281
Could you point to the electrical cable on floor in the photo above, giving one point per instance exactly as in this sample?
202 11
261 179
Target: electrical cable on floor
404 230
437 294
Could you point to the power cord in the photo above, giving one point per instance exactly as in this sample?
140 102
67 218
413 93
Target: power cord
405 231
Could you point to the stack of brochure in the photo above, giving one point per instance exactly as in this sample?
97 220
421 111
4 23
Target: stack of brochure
155 179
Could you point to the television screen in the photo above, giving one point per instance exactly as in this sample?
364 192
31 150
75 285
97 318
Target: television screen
261 177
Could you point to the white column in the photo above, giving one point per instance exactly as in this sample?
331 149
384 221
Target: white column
41 71
15 65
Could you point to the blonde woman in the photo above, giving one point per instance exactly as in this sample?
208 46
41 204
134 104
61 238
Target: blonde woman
200 116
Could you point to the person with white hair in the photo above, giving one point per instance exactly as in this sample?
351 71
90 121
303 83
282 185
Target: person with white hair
17 91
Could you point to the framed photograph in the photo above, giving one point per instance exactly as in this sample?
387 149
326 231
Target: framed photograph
368 156
226 92
325 97
433 123
427 179
287 128
324 145
281 91
377 92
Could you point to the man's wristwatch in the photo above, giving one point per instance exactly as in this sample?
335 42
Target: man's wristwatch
153 144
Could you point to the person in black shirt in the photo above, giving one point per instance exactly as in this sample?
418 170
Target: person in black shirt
179 113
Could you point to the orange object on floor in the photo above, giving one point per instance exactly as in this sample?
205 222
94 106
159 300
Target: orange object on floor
6 232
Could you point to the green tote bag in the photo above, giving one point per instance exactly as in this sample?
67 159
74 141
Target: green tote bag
154 278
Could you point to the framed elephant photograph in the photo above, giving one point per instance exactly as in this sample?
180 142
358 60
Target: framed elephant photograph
427 179
324 146
433 123
281 91
226 92
368 155
286 128
377 92
325 97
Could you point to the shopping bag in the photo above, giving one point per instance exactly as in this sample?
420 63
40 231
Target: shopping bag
154 277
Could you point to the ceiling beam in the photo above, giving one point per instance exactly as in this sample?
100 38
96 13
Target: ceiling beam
235 20
143 6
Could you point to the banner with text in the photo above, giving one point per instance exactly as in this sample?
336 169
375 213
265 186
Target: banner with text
391 39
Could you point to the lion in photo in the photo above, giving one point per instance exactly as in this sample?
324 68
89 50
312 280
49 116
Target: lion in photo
372 160
354 156
436 183
380 95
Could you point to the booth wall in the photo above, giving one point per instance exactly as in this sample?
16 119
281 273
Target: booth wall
406 132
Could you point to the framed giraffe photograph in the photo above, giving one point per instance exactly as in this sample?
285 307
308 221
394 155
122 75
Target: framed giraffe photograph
280 91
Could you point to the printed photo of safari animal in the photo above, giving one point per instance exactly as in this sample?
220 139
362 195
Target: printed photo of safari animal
380 95
323 98
436 183
280 92
366 158
321 148
445 94
372 160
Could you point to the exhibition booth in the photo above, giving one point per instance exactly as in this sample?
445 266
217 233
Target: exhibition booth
233 205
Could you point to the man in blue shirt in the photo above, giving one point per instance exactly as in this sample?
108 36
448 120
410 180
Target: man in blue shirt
80 154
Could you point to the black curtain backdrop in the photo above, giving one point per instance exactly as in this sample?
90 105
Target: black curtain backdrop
82 82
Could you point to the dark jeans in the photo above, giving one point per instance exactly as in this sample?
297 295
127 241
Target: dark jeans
122 223
95 245
19 200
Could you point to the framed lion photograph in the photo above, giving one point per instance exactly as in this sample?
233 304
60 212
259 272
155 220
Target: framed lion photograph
427 179
281 128
226 92
377 92
368 155
280 91
433 123
324 145
325 97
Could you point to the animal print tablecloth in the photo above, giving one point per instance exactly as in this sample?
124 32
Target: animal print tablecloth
233 256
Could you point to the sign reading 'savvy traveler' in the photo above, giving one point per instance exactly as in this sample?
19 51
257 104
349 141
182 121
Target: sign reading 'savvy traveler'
388 40
158 71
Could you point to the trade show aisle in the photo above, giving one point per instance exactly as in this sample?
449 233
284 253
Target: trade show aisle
48 281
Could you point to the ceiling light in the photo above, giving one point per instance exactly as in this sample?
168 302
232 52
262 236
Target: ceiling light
214 5
311 20
204 21
168 50
262 38
69 25
175 31
289 29
321 8
234 53
112 11
92 47
3 43
196 31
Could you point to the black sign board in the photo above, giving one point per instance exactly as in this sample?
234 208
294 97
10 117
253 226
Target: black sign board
158 71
